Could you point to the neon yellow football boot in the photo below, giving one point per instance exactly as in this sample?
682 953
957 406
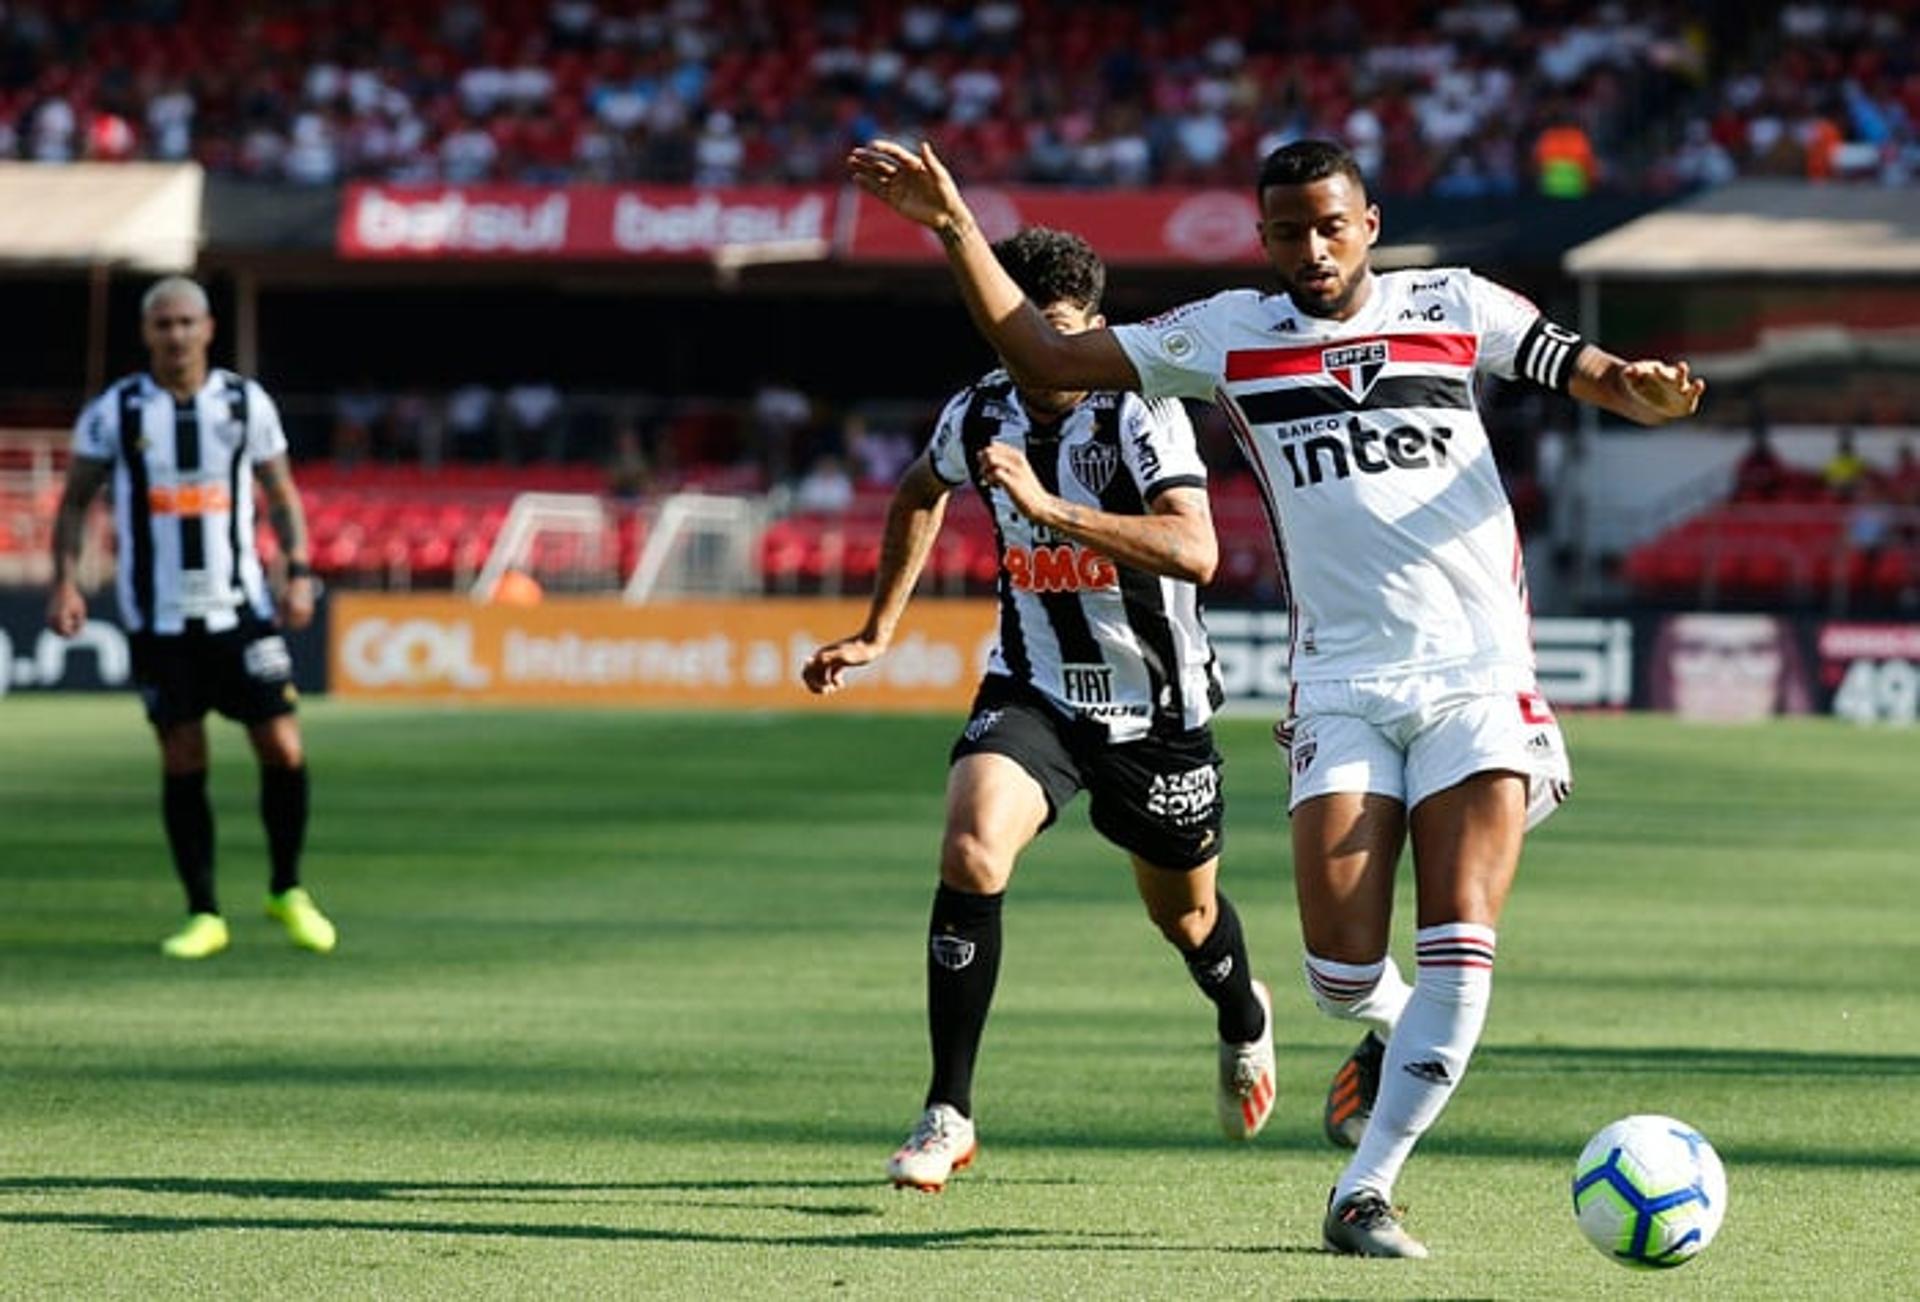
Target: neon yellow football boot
306 926
204 936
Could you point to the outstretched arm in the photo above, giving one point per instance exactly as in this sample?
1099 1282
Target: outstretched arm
66 605
913 522
1646 392
919 188
1176 539
290 526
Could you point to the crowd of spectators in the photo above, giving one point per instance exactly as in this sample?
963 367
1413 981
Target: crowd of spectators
1486 97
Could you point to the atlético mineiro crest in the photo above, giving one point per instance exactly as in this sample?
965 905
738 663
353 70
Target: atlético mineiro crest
1356 366
1093 463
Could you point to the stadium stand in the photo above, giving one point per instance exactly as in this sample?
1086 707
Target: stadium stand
1460 99
1790 538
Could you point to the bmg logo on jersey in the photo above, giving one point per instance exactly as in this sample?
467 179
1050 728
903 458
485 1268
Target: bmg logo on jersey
189 499
1184 798
1057 569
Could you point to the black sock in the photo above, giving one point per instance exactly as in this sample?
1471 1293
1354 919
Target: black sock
963 961
283 808
1220 969
189 821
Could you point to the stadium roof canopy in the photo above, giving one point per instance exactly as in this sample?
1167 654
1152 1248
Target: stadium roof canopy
1765 230
143 215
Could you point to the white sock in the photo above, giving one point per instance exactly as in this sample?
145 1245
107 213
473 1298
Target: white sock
1428 1051
1374 993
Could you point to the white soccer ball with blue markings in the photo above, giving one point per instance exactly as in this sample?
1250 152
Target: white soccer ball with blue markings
1649 1192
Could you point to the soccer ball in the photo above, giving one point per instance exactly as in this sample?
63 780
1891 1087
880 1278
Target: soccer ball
1649 1192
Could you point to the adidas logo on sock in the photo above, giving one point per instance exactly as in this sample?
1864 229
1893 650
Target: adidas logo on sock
1433 1071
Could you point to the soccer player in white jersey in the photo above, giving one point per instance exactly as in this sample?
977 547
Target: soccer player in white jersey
1102 679
183 444
1415 712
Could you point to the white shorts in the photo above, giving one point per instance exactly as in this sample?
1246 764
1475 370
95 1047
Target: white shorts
1410 737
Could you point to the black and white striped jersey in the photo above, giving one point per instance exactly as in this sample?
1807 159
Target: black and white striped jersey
1111 645
183 497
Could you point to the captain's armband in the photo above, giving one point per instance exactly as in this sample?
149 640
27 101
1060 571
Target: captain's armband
1546 355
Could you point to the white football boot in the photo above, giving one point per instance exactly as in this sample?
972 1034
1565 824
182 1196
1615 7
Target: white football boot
941 1143
1246 1093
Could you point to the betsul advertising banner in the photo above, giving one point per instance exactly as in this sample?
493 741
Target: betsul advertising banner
732 654
601 223
593 222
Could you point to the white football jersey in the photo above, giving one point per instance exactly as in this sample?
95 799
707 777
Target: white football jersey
1395 538
183 497
1107 644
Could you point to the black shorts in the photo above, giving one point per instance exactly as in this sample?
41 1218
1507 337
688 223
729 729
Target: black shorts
1158 798
245 673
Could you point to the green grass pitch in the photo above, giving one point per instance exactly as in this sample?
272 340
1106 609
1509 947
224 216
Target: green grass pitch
630 1005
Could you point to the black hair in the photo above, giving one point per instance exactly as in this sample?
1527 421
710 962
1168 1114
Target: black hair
1306 161
1054 267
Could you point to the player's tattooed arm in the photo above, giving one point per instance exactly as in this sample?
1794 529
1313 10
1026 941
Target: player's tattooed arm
1176 538
289 521
66 605
284 511
1645 392
914 517
85 477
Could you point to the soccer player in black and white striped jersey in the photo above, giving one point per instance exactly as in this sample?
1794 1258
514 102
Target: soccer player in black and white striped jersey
183 444
1416 715
1102 678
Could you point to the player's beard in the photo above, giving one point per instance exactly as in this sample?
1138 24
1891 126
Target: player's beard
1320 304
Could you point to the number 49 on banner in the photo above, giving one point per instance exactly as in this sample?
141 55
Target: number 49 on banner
1879 691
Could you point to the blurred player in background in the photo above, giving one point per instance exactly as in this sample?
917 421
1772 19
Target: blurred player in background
1102 679
1415 709
183 444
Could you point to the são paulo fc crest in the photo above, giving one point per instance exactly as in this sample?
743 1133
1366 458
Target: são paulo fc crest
1093 463
1355 367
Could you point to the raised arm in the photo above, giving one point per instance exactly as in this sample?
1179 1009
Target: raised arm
913 521
919 188
1176 538
66 605
1645 392
289 522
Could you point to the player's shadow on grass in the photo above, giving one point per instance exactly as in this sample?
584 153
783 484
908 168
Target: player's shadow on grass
561 1195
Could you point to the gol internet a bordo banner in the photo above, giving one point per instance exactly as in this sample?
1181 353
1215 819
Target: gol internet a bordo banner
748 654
